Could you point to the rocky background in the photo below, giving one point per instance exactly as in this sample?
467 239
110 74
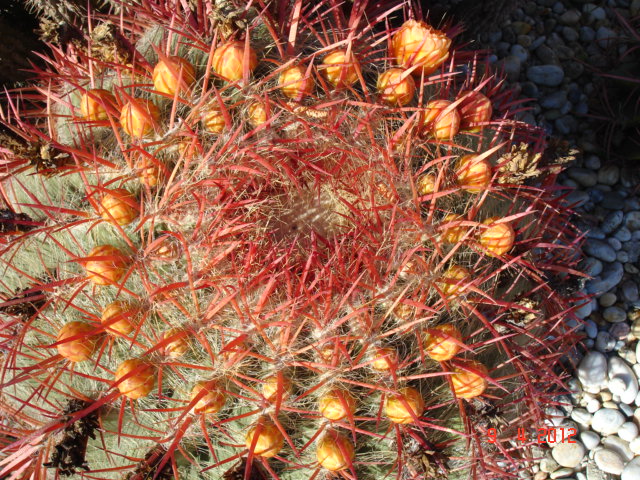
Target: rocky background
554 52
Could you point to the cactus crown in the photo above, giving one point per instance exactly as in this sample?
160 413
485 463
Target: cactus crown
254 249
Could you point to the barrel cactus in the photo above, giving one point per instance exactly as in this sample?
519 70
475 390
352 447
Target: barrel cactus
313 242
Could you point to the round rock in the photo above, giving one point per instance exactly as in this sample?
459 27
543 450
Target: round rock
614 314
592 370
631 470
547 75
609 461
628 431
568 454
607 421
589 439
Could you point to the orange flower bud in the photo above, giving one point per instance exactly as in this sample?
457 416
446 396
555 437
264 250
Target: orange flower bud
211 401
178 344
441 120
213 119
120 318
139 117
81 348
272 386
295 83
336 404
119 206
151 172
497 238
455 232
384 359
270 439
95 104
228 60
467 384
472 173
173 74
340 70
396 87
417 43
474 108
403 407
257 114
426 184
141 377
335 452
107 270
453 281
440 342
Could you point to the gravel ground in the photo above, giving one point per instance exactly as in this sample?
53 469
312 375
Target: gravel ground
549 50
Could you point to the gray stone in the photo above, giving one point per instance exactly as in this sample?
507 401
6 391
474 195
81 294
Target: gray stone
609 175
590 439
570 34
587 34
520 52
612 221
556 100
607 421
605 342
568 454
614 314
570 17
628 431
609 461
566 124
591 328
615 243
596 232
610 277
577 198
600 250
629 291
623 234
632 220
612 201
547 75
592 161
619 331
584 176
631 470
608 299
592 370
586 308
511 66
595 14
605 37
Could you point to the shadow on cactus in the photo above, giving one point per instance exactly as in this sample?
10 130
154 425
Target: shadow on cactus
302 249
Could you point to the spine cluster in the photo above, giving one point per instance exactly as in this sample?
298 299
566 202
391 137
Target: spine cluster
302 249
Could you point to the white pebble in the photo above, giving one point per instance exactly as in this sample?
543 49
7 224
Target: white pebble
634 445
568 454
632 470
628 431
616 444
593 405
581 416
590 439
609 461
607 421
